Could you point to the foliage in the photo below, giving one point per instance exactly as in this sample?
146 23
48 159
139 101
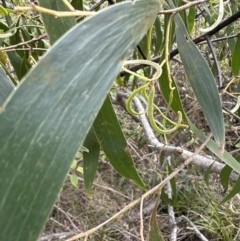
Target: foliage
64 70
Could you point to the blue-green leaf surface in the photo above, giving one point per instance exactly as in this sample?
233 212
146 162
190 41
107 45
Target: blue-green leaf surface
49 115
114 144
202 82
6 86
90 160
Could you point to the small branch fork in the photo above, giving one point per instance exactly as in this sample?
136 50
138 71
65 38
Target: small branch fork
196 230
33 40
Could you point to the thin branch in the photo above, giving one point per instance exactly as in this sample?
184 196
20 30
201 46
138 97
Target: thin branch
197 40
60 224
67 216
177 152
98 4
58 236
196 230
171 214
33 40
141 220
222 38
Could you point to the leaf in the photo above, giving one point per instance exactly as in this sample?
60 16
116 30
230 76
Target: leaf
25 66
80 169
14 56
143 45
235 58
6 8
230 29
90 161
159 35
83 149
74 180
225 175
8 34
235 190
113 143
50 22
202 82
154 231
176 104
16 62
191 19
169 201
207 174
6 86
51 112
77 4
74 164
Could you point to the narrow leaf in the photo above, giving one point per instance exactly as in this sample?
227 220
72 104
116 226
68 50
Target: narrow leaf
90 160
154 231
113 143
74 180
159 35
207 174
16 62
230 29
235 190
49 115
191 19
235 58
6 86
77 4
202 82
169 201
56 27
225 176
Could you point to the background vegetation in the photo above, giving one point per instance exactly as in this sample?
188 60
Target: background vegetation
104 117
